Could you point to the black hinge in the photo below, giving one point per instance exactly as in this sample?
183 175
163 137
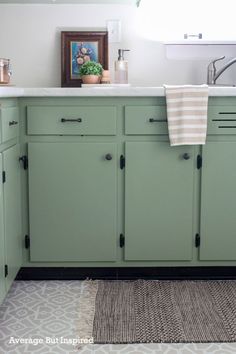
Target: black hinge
27 241
3 176
122 240
24 160
6 270
197 240
199 162
122 162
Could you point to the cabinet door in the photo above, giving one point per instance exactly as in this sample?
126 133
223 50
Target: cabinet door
2 260
72 201
218 202
158 202
12 212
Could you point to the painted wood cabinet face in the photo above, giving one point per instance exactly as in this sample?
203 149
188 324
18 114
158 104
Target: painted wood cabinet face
74 120
9 123
221 120
158 202
2 258
218 202
73 201
12 213
146 120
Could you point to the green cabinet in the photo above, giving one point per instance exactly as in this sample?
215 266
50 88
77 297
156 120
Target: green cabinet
218 202
12 213
10 218
73 201
159 185
83 201
2 256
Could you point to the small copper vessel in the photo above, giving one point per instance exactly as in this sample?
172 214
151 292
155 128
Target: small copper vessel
5 71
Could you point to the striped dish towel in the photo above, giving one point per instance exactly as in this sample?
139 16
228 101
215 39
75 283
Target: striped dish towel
187 114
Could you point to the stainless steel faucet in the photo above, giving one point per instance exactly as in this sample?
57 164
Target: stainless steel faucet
213 74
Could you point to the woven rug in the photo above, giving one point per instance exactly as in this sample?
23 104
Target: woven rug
145 311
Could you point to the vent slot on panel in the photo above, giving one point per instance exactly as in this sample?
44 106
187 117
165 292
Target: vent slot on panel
227 112
227 126
224 120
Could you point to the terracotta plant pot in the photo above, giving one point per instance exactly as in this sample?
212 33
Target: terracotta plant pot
91 79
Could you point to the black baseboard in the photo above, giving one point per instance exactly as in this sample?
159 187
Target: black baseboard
164 273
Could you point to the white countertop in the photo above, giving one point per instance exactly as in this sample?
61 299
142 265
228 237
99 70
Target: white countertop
131 91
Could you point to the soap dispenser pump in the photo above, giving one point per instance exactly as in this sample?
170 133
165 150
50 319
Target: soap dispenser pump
121 68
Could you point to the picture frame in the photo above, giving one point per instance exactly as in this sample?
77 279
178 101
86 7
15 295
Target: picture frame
79 47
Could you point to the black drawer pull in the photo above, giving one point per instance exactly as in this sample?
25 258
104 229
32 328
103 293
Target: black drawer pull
13 122
76 120
152 120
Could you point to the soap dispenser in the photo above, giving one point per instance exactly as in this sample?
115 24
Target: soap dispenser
121 68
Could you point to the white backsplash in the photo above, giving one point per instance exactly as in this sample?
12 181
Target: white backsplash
30 37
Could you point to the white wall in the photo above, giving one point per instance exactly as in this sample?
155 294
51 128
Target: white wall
30 37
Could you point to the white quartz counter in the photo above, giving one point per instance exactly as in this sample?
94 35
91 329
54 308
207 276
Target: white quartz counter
131 91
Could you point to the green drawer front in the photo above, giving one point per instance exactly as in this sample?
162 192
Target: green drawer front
145 120
9 123
221 120
78 120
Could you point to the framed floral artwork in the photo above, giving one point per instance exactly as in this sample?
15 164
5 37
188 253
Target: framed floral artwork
78 48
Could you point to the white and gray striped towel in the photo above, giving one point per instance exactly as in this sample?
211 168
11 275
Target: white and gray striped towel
187 114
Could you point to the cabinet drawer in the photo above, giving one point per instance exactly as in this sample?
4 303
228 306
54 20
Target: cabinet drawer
222 120
75 120
145 120
9 118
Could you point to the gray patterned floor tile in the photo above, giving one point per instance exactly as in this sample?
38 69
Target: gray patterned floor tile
39 309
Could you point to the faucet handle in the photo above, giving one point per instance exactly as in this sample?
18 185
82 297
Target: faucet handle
211 70
217 59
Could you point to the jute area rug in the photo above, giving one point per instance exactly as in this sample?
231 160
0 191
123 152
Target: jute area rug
145 311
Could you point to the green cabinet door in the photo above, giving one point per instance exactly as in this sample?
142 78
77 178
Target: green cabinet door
72 201
12 213
2 260
159 201
218 202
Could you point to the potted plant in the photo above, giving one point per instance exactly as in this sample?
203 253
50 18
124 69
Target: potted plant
90 72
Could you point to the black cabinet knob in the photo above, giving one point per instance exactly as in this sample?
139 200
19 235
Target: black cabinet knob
186 156
108 157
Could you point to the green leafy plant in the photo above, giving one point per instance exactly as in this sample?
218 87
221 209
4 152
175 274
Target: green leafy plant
91 68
